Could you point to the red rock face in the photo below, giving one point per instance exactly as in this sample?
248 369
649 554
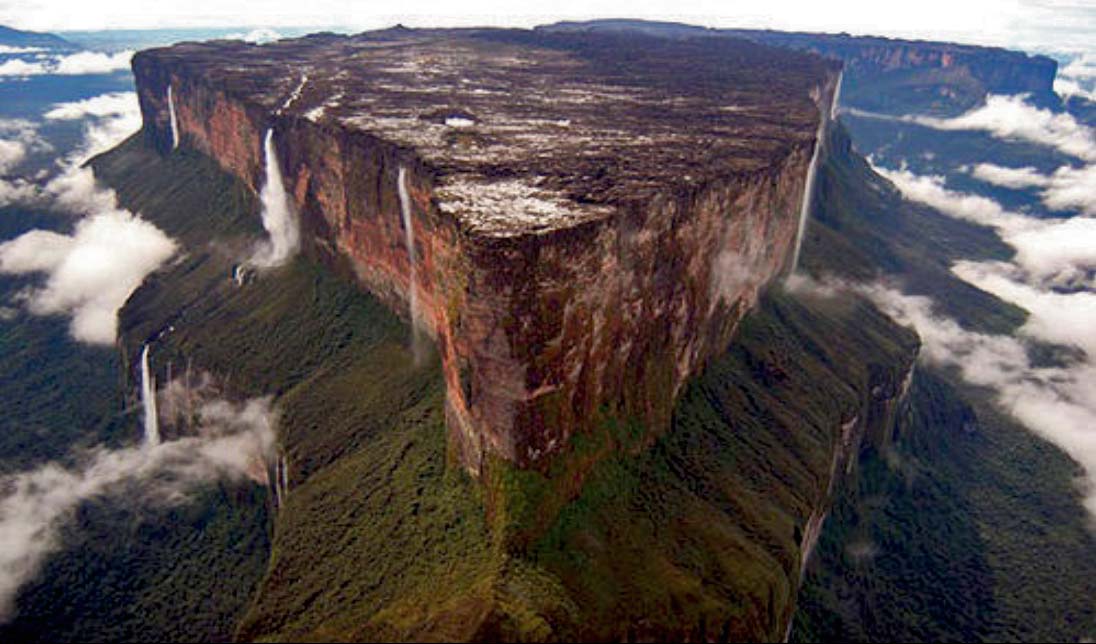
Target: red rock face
543 331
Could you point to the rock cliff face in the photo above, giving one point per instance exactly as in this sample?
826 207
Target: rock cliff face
591 216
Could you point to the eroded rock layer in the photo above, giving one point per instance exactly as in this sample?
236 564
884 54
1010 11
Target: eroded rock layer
591 215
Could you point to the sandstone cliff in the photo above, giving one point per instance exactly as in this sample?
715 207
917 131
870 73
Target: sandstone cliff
591 216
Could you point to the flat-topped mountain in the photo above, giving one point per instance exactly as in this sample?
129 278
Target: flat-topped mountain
579 220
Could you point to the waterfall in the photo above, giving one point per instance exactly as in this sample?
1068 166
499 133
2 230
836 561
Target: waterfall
808 190
836 96
279 219
174 120
409 239
279 481
824 117
284 482
148 401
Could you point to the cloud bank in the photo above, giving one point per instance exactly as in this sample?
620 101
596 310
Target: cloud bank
1058 403
233 441
1053 252
1012 119
78 64
18 138
1017 178
92 271
1078 78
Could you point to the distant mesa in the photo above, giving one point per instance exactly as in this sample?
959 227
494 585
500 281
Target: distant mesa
16 38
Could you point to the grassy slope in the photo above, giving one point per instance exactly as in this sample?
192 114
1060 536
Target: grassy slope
970 527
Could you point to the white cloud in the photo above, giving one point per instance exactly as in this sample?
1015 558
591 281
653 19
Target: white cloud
19 67
1058 403
10 49
12 154
234 440
259 36
91 272
92 62
1082 67
78 64
1056 317
1060 252
1010 118
1072 189
1026 177
931 190
18 138
112 104
1066 87
1066 189
16 191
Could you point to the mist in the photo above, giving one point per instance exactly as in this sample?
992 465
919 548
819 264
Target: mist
232 441
278 214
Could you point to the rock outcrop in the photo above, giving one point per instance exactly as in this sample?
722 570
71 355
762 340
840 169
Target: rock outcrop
591 216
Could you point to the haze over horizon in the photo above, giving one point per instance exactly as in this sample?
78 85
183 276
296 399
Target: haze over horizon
1036 25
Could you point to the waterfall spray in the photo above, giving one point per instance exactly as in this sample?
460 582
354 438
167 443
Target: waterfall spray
148 401
279 219
409 239
174 119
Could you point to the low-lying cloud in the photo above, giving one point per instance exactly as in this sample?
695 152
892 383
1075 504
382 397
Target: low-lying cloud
78 64
1067 189
1058 403
18 138
1010 118
1078 78
1052 276
232 441
113 104
1054 252
1018 178
91 271
6 50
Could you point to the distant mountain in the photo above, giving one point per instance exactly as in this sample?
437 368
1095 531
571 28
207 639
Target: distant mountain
16 38
886 74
